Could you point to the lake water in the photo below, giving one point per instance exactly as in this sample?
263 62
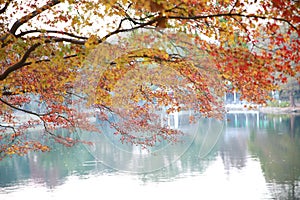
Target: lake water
247 156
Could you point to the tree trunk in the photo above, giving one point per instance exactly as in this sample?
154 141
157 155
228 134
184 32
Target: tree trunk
292 99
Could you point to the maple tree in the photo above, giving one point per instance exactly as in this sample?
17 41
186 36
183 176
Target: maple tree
135 60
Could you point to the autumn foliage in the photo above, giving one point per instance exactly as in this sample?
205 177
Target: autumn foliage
136 61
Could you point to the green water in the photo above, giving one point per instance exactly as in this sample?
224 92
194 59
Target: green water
247 156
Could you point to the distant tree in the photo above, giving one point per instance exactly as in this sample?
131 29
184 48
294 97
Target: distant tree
289 90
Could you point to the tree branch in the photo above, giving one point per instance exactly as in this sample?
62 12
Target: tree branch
48 60
31 15
29 63
51 31
22 63
234 6
14 131
23 110
7 126
135 21
5 7
50 39
40 116
230 15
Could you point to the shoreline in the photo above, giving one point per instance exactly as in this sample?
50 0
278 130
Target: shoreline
231 108
279 110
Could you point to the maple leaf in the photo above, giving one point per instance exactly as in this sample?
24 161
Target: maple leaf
134 59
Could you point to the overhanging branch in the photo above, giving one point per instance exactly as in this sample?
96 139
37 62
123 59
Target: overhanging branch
20 64
52 32
26 55
231 15
31 15
40 116
3 10
48 60
23 110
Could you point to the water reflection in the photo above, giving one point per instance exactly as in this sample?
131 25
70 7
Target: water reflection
277 145
255 155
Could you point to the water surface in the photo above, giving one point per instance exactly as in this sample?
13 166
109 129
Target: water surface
248 156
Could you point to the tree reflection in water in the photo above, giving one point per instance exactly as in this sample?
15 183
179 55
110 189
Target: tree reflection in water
272 140
277 145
